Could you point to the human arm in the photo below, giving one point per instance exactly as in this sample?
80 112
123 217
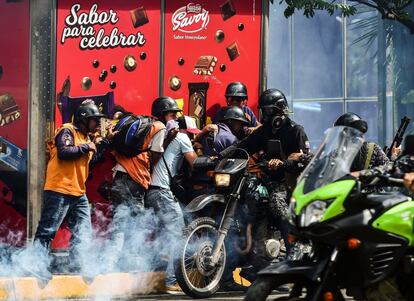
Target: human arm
66 148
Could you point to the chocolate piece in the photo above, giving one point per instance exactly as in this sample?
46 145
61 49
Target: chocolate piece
219 36
222 67
227 10
95 63
240 26
130 63
181 61
113 69
9 111
233 51
205 65
143 56
112 85
139 16
174 82
1 71
86 83
102 77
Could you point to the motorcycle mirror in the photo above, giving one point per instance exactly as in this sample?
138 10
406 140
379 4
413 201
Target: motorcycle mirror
409 145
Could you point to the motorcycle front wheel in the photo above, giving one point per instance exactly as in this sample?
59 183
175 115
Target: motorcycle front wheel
196 277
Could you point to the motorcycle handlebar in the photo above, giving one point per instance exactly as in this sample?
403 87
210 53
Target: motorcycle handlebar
205 162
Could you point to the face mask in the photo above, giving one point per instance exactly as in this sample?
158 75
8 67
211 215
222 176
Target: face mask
277 122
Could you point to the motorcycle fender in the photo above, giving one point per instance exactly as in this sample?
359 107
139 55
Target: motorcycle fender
296 268
202 201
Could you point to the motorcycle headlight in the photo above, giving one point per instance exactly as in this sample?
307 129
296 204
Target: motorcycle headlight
222 180
313 212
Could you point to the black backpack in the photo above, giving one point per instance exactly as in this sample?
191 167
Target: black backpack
132 131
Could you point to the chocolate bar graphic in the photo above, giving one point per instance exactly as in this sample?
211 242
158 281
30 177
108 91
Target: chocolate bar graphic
227 10
139 16
205 65
233 51
9 111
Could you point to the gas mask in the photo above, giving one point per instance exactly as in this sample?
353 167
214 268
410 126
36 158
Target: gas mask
273 117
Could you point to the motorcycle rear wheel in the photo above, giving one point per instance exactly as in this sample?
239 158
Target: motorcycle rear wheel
193 274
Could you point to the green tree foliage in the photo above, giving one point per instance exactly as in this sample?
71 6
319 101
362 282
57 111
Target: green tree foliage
389 9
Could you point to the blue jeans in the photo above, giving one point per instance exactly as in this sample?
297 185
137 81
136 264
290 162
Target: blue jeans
57 207
170 225
129 222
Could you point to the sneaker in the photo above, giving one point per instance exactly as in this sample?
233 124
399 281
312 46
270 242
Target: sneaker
231 286
173 289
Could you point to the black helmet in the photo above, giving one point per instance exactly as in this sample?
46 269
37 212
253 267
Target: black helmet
236 89
162 105
352 120
235 113
274 98
87 109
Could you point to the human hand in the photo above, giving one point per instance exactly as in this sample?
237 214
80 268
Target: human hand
92 147
275 164
396 151
210 128
295 156
355 174
409 181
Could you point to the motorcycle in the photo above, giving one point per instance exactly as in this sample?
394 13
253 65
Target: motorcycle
223 227
362 242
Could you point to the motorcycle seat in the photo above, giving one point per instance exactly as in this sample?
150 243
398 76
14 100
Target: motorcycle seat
387 199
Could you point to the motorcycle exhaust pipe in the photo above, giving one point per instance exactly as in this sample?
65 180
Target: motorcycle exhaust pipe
249 241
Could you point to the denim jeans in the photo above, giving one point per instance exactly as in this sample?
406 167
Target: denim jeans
170 226
128 233
57 207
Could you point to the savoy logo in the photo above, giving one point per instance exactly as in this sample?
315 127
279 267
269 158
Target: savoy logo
190 18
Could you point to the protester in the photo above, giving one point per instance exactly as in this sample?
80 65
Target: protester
130 183
236 95
64 192
161 198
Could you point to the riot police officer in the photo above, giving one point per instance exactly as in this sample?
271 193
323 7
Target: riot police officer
277 126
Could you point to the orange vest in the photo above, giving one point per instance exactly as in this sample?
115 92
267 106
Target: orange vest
68 176
138 167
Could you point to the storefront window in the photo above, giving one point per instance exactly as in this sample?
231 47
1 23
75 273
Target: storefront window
316 117
362 47
317 50
279 50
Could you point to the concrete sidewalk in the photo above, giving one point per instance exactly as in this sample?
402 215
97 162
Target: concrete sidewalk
71 287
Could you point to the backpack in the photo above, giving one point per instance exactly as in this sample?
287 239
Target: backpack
132 132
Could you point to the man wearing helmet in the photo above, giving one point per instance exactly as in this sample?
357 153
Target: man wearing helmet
229 131
277 126
132 179
236 95
64 192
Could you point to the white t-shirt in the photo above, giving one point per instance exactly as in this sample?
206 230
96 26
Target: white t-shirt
174 156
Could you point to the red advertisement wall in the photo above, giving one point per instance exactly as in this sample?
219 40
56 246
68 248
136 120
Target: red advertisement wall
194 30
14 89
95 38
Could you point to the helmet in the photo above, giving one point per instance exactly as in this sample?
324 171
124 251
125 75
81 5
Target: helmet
235 113
236 89
274 98
87 109
352 120
162 105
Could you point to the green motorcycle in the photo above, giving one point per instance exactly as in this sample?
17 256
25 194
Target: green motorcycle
362 242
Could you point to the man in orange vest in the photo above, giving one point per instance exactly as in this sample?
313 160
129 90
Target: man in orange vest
131 223
64 190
